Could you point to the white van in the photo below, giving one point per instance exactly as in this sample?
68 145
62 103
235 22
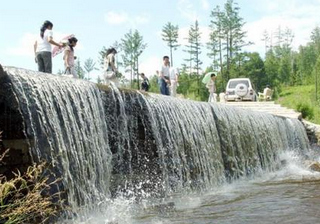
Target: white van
240 89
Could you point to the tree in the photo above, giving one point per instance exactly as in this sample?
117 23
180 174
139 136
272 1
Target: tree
227 36
216 40
79 70
306 60
315 37
266 38
295 77
283 53
272 66
170 34
234 35
89 66
253 68
194 47
132 45
154 84
316 74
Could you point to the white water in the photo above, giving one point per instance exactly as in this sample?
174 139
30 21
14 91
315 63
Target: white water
288 195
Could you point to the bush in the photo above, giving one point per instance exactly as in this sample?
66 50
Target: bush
306 110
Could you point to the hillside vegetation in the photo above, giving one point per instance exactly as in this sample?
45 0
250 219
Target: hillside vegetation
302 99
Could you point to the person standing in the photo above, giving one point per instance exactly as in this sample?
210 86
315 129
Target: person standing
174 75
110 67
42 48
145 83
69 57
212 88
165 76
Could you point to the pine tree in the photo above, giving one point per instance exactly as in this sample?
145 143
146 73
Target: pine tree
216 37
315 37
234 35
170 34
89 66
266 38
194 47
226 38
79 70
133 46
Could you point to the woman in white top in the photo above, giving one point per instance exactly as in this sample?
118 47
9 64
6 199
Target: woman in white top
42 48
110 67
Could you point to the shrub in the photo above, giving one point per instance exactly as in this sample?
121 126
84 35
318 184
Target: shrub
26 198
306 110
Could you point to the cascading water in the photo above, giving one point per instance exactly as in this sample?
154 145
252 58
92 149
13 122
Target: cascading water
145 145
65 125
183 145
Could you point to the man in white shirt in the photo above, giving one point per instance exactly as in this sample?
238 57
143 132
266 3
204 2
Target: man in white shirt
165 76
174 74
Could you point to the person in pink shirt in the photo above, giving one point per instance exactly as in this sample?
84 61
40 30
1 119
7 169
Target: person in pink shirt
69 57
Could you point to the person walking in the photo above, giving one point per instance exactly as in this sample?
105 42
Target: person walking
165 76
212 88
69 57
42 48
174 76
110 67
145 83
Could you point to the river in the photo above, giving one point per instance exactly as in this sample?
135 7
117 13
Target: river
288 195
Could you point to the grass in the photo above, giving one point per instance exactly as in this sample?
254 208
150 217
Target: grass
302 99
26 198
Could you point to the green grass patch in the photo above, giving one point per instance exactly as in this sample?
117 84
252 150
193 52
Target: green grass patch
302 99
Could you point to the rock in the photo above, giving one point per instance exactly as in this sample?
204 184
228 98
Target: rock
313 165
1 71
165 207
313 132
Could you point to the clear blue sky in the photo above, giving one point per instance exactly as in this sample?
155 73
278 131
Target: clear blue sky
99 23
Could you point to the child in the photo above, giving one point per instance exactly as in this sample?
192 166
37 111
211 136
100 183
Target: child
69 57
212 88
145 83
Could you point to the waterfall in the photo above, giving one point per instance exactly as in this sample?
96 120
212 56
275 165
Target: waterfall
102 140
65 125
185 145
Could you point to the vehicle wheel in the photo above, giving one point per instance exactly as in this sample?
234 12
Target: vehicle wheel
241 90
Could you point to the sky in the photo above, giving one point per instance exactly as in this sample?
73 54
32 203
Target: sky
99 23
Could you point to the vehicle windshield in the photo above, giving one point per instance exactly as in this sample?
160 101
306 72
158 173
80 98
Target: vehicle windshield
234 83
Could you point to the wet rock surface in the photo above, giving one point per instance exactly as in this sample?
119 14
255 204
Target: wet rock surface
313 133
12 128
